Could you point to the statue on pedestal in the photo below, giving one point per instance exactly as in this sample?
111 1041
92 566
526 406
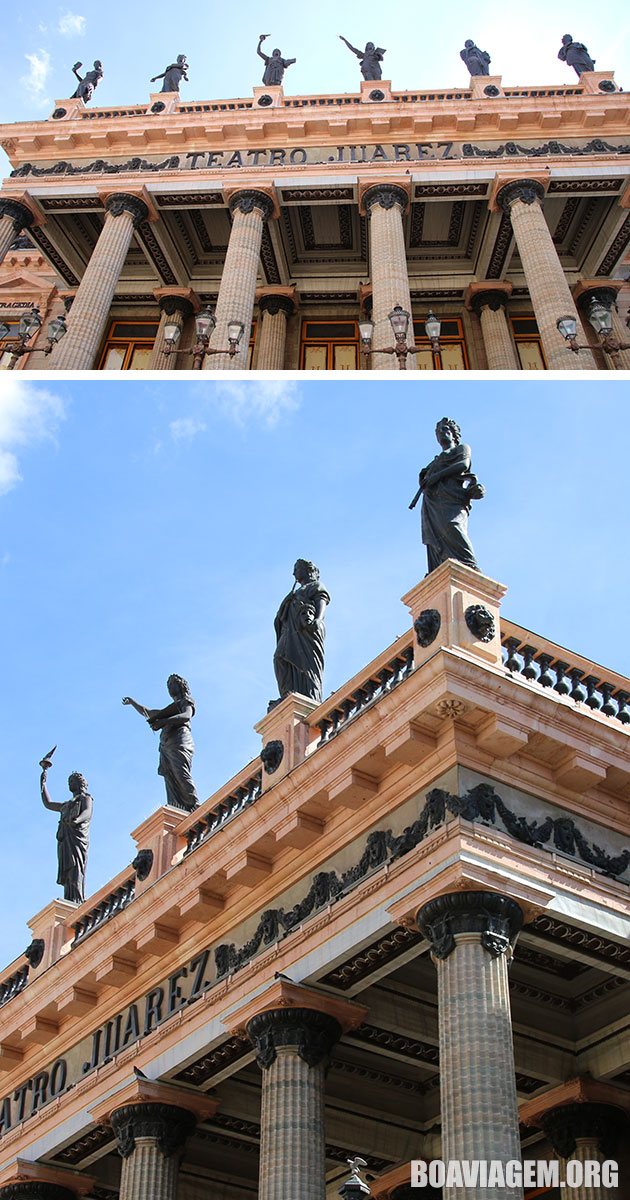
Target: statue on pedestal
448 487
477 61
275 64
73 831
370 58
575 55
173 75
176 743
90 80
299 658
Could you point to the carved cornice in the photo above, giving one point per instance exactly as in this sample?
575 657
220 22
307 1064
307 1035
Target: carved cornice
35 1189
167 1125
602 1124
386 195
275 304
248 200
21 216
311 1034
497 919
120 202
528 191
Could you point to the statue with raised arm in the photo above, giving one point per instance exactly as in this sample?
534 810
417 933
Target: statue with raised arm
90 80
173 75
370 58
477 61
176 743
275 64
448 487
73 831
299 658
575 55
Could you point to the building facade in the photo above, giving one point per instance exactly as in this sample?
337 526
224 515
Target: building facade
401 933
499 209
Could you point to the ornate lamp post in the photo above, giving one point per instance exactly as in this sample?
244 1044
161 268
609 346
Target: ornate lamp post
28 328
598 309
399 321
204 324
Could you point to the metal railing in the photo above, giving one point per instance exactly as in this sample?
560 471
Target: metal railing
225 811
551 668
14 984
102 912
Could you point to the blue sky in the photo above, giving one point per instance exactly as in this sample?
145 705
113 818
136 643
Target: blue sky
152 528
42 41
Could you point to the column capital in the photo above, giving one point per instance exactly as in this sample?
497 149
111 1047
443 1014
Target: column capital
599 1123
273 304
292 1014
20 214
177 299
487 293
120 202
385 195
42 1181
248 199
528 191
167 1125
497 919
604 290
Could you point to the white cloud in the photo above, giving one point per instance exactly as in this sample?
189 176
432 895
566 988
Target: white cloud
71 24
186 427
265 400
35 81
28 414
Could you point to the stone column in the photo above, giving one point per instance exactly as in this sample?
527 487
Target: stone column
175 309
489 301
472 935
586 1133
151 1138
385 205
274 314
93 300
291 1048
548 288
237 291
14 217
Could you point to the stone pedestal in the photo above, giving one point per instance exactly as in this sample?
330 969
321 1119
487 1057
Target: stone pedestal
376 91
486 87
385 205
90 311
53 926
472 935
548 288
250 210
285 735
489 301
163 103
592 82
158 834
448 601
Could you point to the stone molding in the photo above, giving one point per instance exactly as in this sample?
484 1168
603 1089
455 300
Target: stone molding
386 195
600 1123
528 191
167 1125
35 1189
119 202
495 918
248 200
21 215
311 1034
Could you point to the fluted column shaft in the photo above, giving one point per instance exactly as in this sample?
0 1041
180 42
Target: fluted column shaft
237 291
471 935
93 300
292 1046
490 307
621 332
151 1138
14 217
586 1133
275 312
385 205
548 288
175 311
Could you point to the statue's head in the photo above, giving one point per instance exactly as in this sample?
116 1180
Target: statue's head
77 783
98 66
469 44
305 571
567 39
181 59
369 46
447 430
178 688
275 53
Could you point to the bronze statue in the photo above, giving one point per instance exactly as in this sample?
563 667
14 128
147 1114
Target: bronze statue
90 80
299 658
176 743
447 487
370 58
477 61
73 831
575 55
173 75
275 64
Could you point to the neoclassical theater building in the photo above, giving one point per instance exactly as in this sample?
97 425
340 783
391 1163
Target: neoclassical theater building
399 933
499 209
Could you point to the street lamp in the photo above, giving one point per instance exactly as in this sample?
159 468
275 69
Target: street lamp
205 324
28 328
600 318
399 321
